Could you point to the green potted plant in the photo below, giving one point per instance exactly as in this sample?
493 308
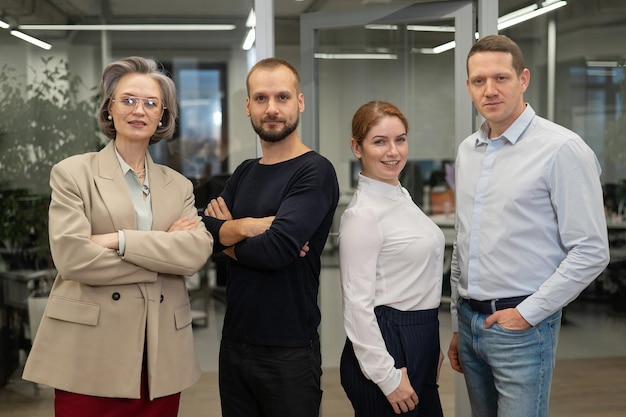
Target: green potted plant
41 123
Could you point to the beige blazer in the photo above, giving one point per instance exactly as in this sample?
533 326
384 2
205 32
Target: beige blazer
103 308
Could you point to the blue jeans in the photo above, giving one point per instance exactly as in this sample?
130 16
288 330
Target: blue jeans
508 373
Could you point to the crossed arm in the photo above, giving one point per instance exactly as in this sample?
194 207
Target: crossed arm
111 240
234 231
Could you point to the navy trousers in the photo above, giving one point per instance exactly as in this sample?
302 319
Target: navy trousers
412 339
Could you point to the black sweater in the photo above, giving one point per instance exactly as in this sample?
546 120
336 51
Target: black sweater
272 291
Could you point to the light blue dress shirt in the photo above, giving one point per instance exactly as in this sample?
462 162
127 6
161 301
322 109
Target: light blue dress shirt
530 217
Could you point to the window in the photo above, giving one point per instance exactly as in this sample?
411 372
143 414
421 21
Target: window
200 147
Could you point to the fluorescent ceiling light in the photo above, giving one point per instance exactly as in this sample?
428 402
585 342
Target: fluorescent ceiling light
382 27
506 21
251 21
355 56
135 27
415 28
249 41
437 49
600 72
428 28
30 39
510 21
251 35
4 25
517 13
611 64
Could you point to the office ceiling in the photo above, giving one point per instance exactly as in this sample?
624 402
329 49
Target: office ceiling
578 13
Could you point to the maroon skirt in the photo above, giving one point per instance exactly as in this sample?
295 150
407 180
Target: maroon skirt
69 404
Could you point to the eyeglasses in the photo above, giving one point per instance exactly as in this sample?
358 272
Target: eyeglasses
129 103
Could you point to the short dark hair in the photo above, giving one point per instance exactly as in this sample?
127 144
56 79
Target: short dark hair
271 63
499 43
370 113
138 65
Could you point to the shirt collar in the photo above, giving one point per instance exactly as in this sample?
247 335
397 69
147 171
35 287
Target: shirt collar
392 192
126 167
513 133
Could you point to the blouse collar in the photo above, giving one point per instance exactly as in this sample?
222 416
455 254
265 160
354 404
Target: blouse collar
392 192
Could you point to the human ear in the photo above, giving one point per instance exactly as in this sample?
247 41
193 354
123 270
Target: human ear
356 148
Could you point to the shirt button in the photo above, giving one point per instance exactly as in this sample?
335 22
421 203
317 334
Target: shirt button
116 296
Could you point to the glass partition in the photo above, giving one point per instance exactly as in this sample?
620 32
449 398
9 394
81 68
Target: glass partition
589 91
403 55
421 85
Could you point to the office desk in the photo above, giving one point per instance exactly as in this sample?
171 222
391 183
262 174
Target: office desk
616 225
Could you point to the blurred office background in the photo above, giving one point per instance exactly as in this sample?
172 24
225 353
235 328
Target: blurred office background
348 52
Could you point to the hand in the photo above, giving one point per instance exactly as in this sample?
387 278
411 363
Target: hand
254 226
403 399
183 224
453 353
230 251
304 250
106 240
217 208
509 318
234 231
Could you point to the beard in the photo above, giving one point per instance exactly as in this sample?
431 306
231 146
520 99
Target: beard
274 135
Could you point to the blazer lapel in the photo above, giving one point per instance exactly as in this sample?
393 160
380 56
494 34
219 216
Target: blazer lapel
113 189
159 181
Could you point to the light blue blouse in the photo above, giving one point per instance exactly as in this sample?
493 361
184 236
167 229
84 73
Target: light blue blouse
140 194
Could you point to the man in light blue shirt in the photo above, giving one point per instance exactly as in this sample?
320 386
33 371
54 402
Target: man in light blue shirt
530 237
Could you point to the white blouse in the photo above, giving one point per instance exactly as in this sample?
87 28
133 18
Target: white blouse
390 254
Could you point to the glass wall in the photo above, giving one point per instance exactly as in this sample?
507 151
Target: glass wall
588 89
48 101
201 149
394 72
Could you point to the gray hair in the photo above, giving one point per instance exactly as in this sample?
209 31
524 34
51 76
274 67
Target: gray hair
135 64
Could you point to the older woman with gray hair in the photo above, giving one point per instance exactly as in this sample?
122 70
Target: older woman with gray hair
116 336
